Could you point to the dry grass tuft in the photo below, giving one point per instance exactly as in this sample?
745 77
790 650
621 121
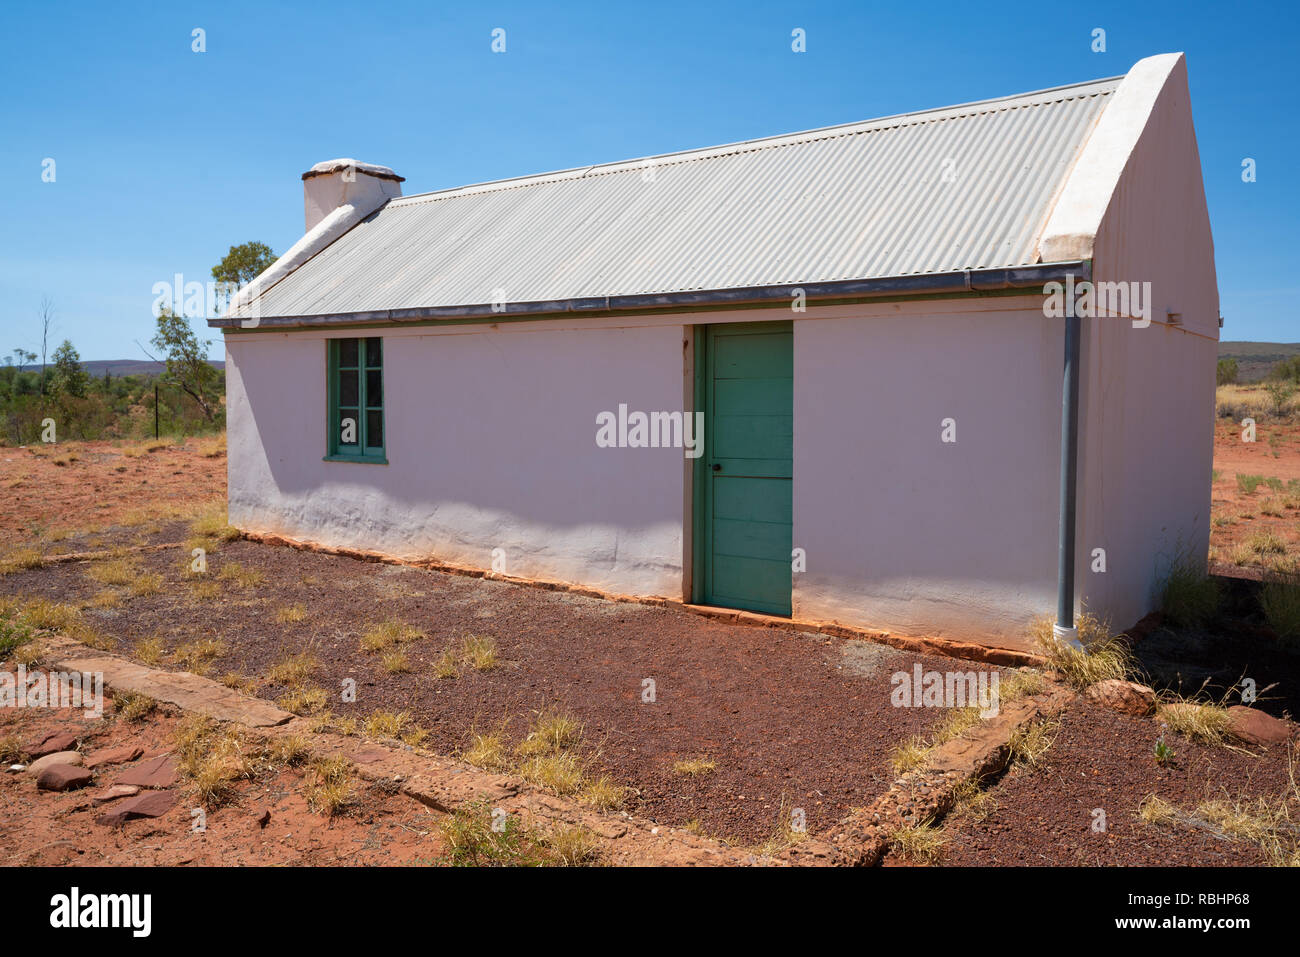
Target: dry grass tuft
1207 723
603 794
241 576
695 767
386 724
293 670
149 651
291 614
132 706
303 701
329 786
920 844
1104 655
195 656
488 751
552 732
20 560
573 846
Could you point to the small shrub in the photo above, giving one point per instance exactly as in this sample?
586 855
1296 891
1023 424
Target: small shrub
603 794
329 787
1206 723
241 576
560 773
387 634
473 836
1248 483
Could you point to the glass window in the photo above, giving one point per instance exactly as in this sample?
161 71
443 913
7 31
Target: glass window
356 396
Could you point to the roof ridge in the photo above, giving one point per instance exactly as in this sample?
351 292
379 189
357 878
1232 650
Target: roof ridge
1099 87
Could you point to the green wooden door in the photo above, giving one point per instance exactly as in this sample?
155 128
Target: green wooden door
745 377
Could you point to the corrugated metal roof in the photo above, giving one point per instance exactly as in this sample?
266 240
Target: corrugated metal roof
965 187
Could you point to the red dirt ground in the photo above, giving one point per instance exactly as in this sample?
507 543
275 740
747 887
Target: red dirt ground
46 828
1238 515
100 483
1100 759
789 719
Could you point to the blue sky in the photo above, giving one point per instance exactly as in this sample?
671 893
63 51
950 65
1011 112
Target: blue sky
166 157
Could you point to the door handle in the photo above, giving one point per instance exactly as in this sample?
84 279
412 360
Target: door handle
716 467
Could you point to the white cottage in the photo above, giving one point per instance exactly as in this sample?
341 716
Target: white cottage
930 373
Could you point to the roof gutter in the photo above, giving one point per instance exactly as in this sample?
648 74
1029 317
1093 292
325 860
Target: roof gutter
967 281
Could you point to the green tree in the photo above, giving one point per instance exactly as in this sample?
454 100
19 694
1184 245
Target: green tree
243 263
1288 370
240 266
68 377
187 360
1227 373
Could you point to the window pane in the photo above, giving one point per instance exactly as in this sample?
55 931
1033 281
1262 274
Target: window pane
348 388
374 430
374 352
347 430
374 388
347 352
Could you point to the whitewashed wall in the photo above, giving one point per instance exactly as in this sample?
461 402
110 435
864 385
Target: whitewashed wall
1149 399
905 532
491 444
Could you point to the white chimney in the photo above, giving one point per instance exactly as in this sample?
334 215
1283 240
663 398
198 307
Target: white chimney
334 183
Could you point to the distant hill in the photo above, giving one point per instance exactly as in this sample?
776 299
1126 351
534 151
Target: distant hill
117 367
1255 359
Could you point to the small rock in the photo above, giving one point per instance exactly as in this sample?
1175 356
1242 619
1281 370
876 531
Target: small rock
1126 697
149 804
157 773
115 793
52 743
1257 727
263 817
122 755
63 777
58 757
369 756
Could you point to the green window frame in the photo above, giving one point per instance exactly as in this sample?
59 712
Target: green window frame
356 400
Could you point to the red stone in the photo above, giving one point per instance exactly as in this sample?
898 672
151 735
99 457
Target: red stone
115 793
1257 727
149 804
122 755
63 777
53 742
158 773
